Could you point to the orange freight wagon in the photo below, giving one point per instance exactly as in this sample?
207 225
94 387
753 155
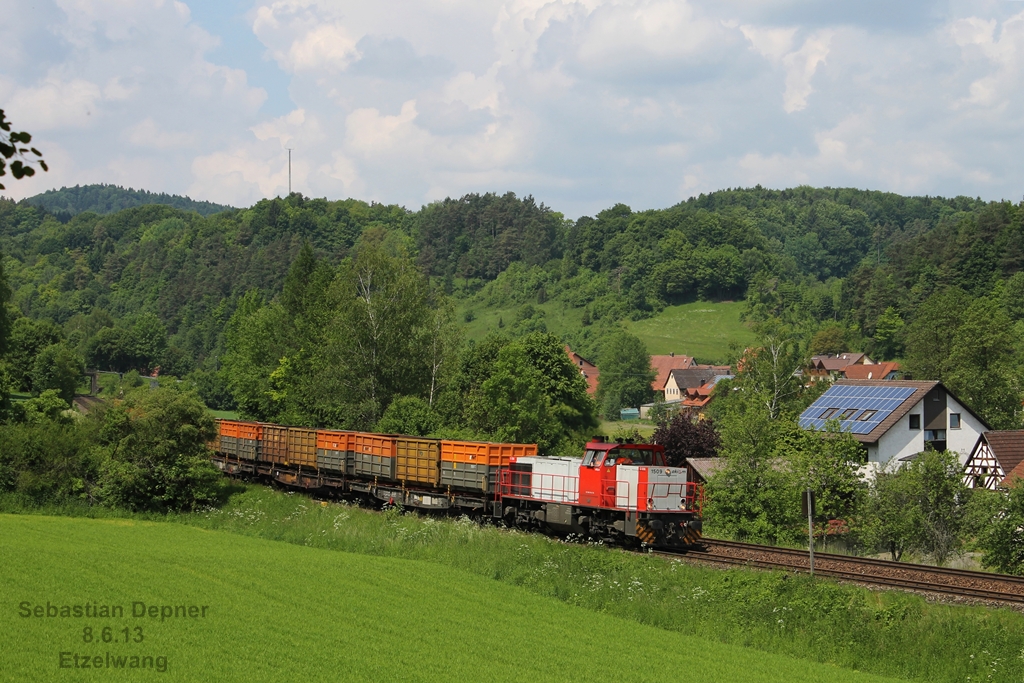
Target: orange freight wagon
417 460
374 455
241 439
335 450
474 465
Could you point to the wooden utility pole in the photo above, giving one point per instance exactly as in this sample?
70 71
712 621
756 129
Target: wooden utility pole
289 170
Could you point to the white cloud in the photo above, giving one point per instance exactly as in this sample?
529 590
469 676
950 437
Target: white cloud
57 103
800 68
582 103
148 133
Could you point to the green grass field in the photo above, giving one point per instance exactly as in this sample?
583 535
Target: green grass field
558 318
701 329
283 612
610 428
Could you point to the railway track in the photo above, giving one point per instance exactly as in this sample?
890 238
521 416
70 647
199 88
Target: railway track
980 586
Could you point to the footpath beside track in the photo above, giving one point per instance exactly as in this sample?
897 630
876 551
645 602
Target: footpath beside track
959 583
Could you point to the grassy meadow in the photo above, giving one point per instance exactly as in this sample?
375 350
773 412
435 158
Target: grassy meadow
674 606
701 329
558 318
277 611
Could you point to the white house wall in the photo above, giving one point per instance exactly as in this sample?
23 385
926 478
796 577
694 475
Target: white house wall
962 440
901 441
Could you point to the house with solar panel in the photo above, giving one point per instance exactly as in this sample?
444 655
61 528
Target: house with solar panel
897 419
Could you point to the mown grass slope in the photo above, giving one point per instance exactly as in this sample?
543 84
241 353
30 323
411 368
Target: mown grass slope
701 329
281 612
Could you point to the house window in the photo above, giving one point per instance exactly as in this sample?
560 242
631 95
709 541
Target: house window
915 421
954 420
829 412
935 435
866 415
847 414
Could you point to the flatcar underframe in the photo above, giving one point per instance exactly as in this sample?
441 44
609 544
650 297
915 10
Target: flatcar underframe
609 525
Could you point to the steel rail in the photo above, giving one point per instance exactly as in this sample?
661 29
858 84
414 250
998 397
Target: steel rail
871 561
874 579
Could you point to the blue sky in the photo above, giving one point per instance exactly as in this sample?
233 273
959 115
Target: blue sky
581 103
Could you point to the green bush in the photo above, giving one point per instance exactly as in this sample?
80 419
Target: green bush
156 456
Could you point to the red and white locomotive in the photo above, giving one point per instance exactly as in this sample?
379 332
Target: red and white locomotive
616 492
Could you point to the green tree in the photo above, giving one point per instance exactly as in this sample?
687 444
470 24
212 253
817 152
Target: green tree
565 388
1002 540
983 369
148 341
407 415
768 370
754 496
5 317
11 147
830 339
888 342
1013 296
511 404
253 351
155 451
942 499
382 320
626 375
829 462
894 517
929 337
27 340
60 368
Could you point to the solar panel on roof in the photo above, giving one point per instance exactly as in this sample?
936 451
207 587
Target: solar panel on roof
853 403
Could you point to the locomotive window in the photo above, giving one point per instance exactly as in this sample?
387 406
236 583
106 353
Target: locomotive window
629 456
644 457
590 458
617 456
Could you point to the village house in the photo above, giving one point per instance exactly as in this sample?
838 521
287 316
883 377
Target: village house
897 419
663 365
885 370
832 365
691 387
996 459
694 377
587 369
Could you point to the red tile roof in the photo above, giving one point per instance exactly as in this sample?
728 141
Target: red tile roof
666 364
1008 447
874 371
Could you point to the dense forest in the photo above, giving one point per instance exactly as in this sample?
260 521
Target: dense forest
156 286
103 199
343 314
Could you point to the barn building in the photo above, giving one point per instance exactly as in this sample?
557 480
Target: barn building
995 459
896 419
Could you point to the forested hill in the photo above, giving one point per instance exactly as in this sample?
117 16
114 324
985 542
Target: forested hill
104 199
155 285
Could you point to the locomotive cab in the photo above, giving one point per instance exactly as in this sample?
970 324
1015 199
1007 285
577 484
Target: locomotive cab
615 491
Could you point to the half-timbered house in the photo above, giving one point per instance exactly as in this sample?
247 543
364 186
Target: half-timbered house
995 456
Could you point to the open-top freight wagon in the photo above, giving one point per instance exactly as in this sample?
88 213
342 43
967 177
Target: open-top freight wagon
620 493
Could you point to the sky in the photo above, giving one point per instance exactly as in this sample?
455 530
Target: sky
581 103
